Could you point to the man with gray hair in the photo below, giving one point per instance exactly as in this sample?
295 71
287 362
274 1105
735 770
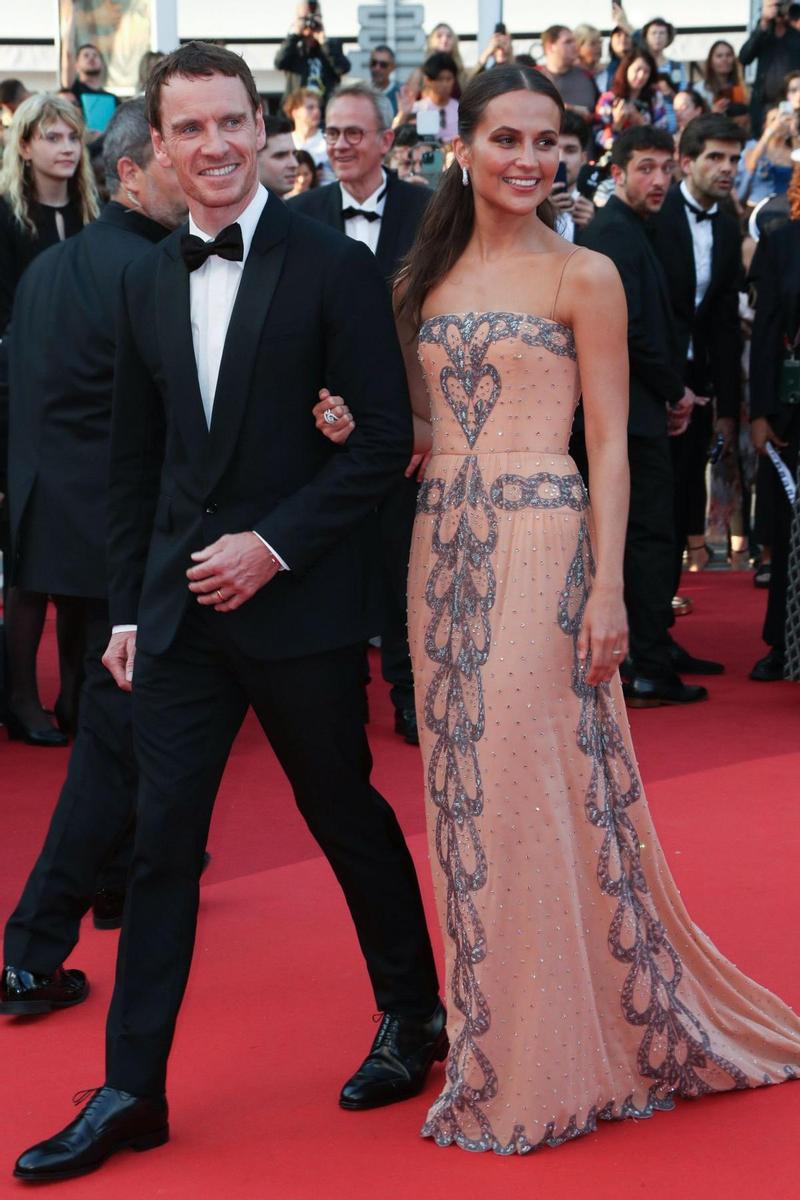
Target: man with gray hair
59 429
372 205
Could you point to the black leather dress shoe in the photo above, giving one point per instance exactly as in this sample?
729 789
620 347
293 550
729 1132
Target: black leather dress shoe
111 1121
398 1063
23 994
768 669
686 664
641 692
47 736
405 723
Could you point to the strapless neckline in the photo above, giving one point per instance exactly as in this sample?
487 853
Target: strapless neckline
495 312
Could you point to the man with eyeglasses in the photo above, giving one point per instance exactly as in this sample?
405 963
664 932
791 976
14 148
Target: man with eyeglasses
381 68
372 205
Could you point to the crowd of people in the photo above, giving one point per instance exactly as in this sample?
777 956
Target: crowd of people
665 195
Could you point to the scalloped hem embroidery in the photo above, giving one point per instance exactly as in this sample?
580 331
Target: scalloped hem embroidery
519 1143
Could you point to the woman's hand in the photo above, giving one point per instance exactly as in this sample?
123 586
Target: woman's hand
337 431
604 634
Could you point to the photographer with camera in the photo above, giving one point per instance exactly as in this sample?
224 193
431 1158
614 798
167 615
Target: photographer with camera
775 47
308 58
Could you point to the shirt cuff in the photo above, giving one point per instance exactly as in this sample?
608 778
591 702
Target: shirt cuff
124 628
274 553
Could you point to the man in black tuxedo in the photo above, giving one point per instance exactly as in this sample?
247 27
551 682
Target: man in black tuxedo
240 553
699 246
371 205
775 416
642 166
62 360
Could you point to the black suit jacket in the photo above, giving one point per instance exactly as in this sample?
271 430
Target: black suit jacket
311 310
714 328
656 378
776 272
61 346
403 210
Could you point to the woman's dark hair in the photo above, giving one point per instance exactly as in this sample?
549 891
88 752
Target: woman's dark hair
449 219
620 86
436 63
695 97
304 159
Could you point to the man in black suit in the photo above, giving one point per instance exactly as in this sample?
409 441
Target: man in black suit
62 361
240 553
699 246
642 166
775 415
371 205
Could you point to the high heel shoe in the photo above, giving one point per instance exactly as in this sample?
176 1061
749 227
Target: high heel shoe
19 732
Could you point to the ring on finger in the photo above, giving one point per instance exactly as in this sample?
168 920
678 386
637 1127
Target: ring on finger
329 417
616 653
219 593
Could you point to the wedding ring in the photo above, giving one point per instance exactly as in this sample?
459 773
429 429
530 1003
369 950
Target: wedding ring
329 417
219 593
616 653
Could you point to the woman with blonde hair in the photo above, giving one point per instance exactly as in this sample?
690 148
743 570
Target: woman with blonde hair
47 189
47 194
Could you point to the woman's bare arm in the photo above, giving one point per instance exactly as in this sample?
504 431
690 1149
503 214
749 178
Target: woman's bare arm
593 290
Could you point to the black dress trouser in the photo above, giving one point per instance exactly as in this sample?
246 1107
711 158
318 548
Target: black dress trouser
787 427
89 841
396 518
649 550
188 705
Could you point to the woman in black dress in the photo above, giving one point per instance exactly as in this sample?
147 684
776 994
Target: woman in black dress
47 193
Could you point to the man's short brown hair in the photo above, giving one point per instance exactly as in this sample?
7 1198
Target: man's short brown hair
196 60
553 33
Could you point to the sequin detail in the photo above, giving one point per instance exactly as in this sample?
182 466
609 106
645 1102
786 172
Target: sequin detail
470 384
460 594
675 1051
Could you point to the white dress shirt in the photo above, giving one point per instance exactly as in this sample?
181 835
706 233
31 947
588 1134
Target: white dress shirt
703 244
359 228
212 295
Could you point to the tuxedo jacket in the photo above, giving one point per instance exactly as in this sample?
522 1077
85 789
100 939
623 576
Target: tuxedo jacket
713 328
776 274
311 311
61 349
655 369
403 210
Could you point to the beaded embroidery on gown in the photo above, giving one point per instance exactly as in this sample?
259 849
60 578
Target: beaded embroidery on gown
577 986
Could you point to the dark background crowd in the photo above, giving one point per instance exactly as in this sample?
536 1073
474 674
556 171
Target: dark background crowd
713 329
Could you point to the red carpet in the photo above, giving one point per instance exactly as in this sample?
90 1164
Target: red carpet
277 1012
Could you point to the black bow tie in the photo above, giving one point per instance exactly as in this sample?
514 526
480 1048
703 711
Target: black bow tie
700 213
349 212
227 244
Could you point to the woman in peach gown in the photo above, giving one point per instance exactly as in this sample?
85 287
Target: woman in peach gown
577 986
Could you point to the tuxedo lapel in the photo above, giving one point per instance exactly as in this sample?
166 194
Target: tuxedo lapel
259 280
332 194
174 323
391 222
716 260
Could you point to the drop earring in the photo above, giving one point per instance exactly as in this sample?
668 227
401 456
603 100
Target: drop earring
465 176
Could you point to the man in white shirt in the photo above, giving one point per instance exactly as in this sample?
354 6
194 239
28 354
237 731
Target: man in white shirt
241 552
699 245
